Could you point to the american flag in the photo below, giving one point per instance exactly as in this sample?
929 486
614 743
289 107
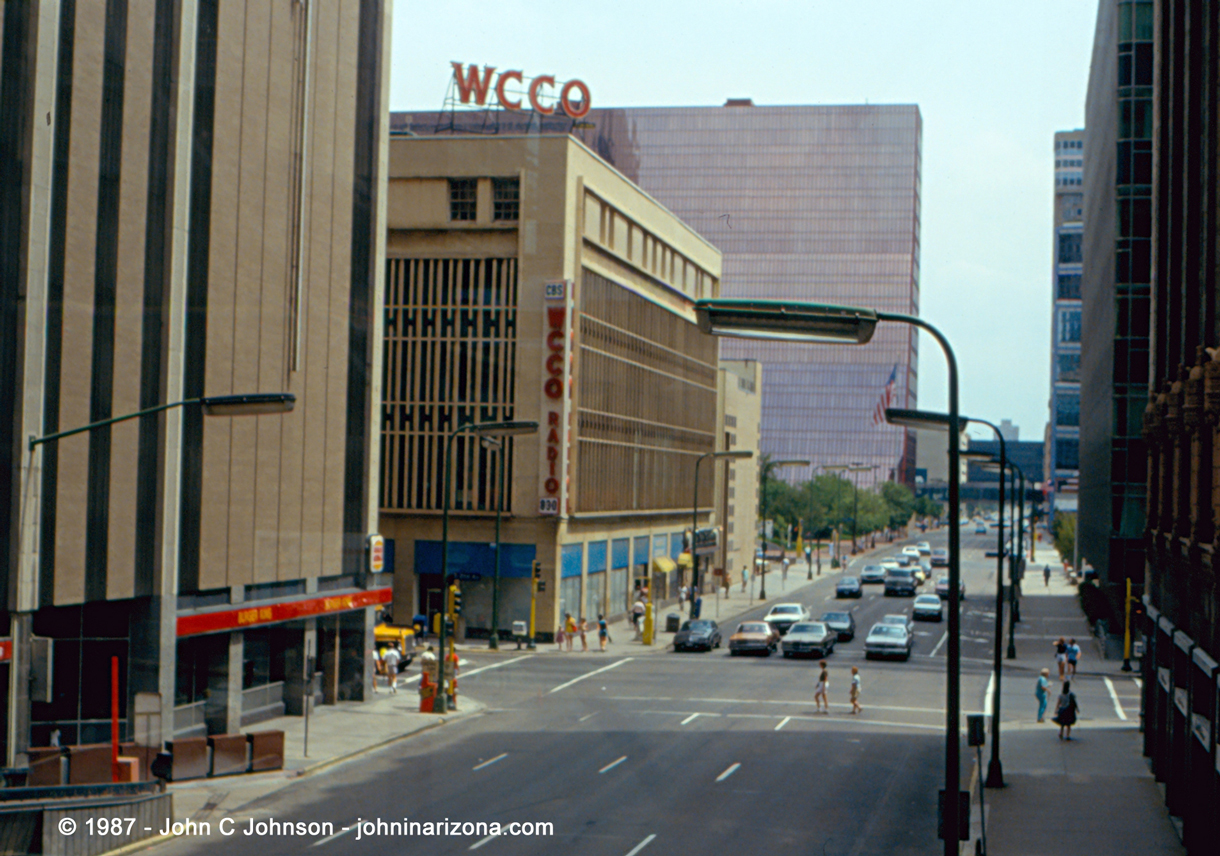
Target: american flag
886 398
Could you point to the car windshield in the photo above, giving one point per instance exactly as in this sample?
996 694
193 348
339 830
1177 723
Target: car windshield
786 610
847 581
804 627
753 627
836 616
868 568
894 619
697 626
886 630
900 573
928 600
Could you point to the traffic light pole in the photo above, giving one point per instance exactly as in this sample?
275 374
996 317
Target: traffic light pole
534 580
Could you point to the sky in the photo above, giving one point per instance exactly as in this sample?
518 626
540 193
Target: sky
994 81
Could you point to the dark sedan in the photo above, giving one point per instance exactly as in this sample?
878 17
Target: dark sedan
698 635
848 587
809 638
843 623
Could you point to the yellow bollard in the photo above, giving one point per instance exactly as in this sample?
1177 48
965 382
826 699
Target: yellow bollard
649 629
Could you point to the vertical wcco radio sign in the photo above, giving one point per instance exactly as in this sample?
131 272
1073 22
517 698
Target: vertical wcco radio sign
475 83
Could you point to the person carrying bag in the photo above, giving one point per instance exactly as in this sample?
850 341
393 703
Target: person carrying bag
1066 709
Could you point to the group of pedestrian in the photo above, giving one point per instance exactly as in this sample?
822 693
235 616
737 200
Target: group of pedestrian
570 628
1067 654
386 663
821 690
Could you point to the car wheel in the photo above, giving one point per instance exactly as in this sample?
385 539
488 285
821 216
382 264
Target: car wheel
787 655
732 652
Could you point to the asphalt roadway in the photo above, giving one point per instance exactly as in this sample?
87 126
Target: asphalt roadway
662 753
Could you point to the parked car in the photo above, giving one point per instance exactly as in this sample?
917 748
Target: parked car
942 588
843 623
898 619
888 640
784 615
900 581
980 529
698 635
753 637
924 548
810 638
872 574
848 587
928 607
940 557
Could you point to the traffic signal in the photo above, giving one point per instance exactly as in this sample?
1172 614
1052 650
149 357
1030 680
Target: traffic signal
455 595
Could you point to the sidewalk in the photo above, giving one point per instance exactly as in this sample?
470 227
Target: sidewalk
1094 794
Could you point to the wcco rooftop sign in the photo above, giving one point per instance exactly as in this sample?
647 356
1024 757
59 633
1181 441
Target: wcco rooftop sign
475 83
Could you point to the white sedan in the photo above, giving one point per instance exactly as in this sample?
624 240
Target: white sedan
911 551
888 640
928 607
784 615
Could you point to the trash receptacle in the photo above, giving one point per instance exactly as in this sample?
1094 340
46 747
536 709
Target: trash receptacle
672 622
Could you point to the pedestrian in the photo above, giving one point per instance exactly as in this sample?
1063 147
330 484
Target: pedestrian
391 659
1046 576
1042 692
559 637
682 598
637 612
819 691
603 632
1073 654
745 577
855 690
1066 709
1061 655
377 669
583 629
569 628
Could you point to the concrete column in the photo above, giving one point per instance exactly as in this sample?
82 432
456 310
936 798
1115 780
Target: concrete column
233 686
329 651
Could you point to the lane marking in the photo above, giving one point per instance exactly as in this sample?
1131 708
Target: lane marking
989 697
1139 682
1118 708
473 672
488 763
577 680
344 831
783 722
637 848
587 716
938 644
483 841
612 764
693 716
730 771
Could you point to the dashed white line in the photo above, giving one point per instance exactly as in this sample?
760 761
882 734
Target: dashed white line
473 672
783 722
587 716
1118 708
612 764
344 831
483 841
577 680
490 761
1139 682
730 771
938 644
637 848
690 718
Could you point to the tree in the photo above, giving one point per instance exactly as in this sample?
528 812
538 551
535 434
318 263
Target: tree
1064 534
925 506
901 504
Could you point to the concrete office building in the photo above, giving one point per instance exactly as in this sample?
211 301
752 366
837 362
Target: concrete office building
1115 285
529 280
191 207
1181 597
1062 466
739 403
814 203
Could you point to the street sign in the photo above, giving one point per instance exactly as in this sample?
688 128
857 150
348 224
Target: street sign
468 576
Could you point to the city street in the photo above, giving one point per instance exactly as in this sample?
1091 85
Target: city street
660 751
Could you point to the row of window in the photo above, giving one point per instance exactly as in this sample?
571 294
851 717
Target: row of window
1066 162
505 199
1068 181
1069 144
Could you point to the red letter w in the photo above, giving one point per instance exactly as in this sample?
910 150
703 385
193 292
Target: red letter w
472 83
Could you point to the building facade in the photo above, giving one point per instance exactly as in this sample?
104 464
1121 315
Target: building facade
1062 476
529 280
1181 595
192 206
814 203
1115 289
740 404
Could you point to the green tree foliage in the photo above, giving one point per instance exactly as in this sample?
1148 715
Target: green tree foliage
828 501
1064 533
925 506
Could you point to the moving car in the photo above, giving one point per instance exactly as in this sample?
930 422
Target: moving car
924 548
811 638
753 637
942 588
848 587
843 623
898 619
980 529
872 574
928 607
900 581
698 635
911 551
888 640
784 615
940 557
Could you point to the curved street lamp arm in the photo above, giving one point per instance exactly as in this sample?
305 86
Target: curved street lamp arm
36 441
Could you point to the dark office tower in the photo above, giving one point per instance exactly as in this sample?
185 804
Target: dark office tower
1063 443
1115 294
1182 596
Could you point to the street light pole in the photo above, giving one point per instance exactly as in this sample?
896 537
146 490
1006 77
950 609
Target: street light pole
810 322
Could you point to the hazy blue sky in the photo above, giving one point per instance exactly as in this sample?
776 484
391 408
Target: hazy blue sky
993 82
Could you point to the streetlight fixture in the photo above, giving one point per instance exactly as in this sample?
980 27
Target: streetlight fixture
480 429
1015 559
739 455
251 404
767 467
813 322
940 421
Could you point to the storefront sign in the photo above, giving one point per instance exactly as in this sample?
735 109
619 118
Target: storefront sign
573 95
253 616
6 650
556 388
706 541
376 554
